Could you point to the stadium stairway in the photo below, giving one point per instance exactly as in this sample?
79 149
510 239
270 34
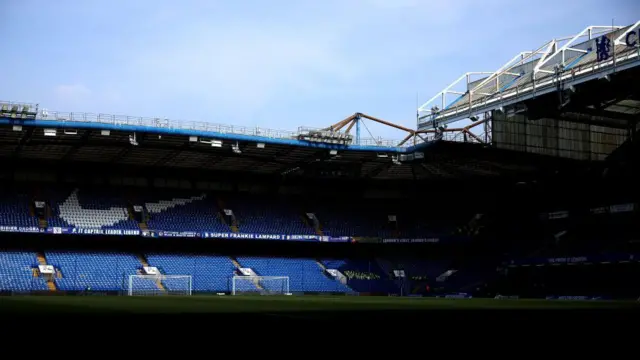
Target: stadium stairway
314 224
142 224
42 260
43 223
321 265
221 207
130 212
237 264
318 227
145 263
340 278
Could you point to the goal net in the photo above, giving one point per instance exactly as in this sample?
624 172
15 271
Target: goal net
145 285
260 285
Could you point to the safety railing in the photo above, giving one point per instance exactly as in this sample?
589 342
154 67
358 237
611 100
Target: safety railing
519 89
15 110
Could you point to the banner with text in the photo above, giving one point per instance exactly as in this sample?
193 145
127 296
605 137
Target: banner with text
81 231
21 229
251 236
591 259
206 235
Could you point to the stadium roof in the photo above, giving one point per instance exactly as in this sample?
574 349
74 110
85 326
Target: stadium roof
28 145
595 52
28 132
14 113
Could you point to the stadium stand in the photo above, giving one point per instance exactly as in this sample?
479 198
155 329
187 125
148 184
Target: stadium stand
210 273
18 272
15 210
186 211
268 215
592 229
89 208
305 275
543 203
96 271
182 212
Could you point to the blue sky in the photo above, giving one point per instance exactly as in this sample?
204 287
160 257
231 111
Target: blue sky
275 64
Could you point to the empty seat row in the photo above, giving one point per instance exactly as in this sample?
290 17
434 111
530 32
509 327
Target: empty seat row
188 211
77 271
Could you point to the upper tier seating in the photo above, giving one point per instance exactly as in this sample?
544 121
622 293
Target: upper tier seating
268 216
89 208
371 218
180 211
14 209
193 211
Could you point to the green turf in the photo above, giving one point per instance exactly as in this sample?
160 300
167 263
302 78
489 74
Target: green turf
277 304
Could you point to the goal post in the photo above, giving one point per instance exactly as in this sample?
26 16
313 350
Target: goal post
146 285
260 285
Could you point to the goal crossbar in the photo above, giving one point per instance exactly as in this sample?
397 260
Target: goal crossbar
263 285
160 284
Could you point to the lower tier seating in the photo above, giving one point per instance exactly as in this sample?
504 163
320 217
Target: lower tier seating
77 271
95 271
17 272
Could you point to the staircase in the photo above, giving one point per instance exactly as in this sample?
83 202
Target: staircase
42 222
308 223
221 206
42 260
321 265
340 276
145 263
47 215
317 226
237 264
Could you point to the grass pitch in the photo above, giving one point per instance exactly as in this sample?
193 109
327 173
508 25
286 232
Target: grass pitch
280 305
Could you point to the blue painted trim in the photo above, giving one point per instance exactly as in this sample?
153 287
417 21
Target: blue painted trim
435 116
454 101
208 134
576 60
508 85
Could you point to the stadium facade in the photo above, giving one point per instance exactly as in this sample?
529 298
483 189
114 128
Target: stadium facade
131 205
